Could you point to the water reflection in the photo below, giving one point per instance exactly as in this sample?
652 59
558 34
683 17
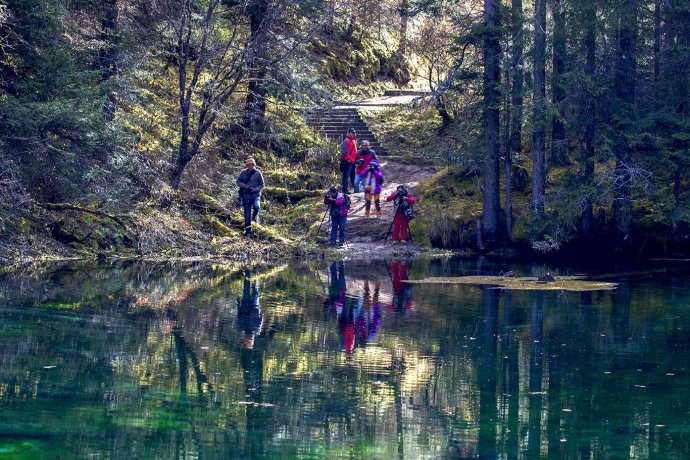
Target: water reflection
249 317
402 291
344 360
359 314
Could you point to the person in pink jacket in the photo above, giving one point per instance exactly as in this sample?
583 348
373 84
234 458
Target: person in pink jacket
402 211
338 206
372 180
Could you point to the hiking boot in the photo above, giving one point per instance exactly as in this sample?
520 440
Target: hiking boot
366 213
395 241
378 213
341 244
403 242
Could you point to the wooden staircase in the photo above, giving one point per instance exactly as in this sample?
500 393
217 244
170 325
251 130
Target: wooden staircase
333 123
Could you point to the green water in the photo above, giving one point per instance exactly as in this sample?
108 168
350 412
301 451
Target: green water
340 361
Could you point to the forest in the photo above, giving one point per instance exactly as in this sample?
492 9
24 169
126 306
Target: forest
555 124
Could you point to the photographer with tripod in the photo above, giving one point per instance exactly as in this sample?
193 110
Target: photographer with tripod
402 212
338 206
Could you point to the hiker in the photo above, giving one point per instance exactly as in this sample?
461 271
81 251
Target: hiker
250 183
372 180
348 155
364 156
249 317
338 206
402 212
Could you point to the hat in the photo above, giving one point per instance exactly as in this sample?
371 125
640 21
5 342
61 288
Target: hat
332 190
351 130
249 161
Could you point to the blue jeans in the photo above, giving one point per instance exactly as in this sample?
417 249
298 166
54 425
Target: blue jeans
358 182
338 222
251 210
348 170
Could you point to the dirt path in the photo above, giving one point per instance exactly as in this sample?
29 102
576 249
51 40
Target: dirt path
367 234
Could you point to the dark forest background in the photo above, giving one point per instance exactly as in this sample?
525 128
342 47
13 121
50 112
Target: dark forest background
123 123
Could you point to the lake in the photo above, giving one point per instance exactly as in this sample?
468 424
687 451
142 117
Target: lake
342 360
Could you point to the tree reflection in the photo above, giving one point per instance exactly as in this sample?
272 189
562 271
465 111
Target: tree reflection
164 362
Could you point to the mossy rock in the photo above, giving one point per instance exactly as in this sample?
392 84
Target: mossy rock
221 229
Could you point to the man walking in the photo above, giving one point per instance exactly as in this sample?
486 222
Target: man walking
250 182
348 154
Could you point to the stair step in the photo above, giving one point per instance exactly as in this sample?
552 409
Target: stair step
334 123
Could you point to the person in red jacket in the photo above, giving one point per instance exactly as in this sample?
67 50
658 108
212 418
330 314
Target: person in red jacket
364 156
402 212
348 154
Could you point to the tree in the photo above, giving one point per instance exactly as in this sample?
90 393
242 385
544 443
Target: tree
514 115
590 113
210 70
624 86
492 99
558 85
109 53
254 116
539 110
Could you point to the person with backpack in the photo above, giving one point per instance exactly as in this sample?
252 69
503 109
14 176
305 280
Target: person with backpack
364 156
338 206
348 155
402 212
372 180
250 182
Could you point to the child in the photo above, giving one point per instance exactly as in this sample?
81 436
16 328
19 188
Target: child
372 179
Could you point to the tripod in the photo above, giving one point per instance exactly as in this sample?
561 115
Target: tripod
323 220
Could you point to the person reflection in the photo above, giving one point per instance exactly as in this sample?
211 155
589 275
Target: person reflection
337 289
360 314
402 291
374 314
346 324
249 316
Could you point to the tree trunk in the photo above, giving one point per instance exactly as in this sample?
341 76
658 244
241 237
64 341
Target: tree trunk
624 87
255 105
109 54
558 89
492 99
657 37
404 10
590 117
539 110
515 142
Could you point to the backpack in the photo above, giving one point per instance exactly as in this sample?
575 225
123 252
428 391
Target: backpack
405 209
335 210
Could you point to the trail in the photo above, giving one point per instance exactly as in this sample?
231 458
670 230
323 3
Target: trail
365 235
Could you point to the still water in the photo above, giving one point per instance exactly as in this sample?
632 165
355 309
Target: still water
341 360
